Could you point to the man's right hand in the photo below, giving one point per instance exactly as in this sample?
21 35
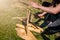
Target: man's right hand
41 15
35 5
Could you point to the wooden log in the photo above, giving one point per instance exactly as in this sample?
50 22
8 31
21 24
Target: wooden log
34 29
22 33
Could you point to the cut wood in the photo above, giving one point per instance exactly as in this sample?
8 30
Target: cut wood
34 29
22 33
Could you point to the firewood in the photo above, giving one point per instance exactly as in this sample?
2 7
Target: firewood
22 33
34 29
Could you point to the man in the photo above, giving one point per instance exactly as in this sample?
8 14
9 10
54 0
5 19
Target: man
44 15
55 26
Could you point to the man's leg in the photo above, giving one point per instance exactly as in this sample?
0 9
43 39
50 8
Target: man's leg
53 28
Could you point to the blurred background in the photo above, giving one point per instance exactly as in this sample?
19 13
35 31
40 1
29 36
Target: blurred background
14 8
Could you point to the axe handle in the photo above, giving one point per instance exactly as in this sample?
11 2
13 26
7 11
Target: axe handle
28 15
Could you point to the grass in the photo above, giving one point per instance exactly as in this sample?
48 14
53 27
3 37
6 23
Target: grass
7 25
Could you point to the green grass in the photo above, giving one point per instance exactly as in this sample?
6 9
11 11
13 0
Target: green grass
7 24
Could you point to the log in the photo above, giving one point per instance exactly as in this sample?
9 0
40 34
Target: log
22 33
31 28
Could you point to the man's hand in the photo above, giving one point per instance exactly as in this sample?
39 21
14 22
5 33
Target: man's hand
33 4
41 15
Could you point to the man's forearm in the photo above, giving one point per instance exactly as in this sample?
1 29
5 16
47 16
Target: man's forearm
52 10
46 9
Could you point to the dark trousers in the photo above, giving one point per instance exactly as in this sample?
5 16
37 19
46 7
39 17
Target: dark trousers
54 27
